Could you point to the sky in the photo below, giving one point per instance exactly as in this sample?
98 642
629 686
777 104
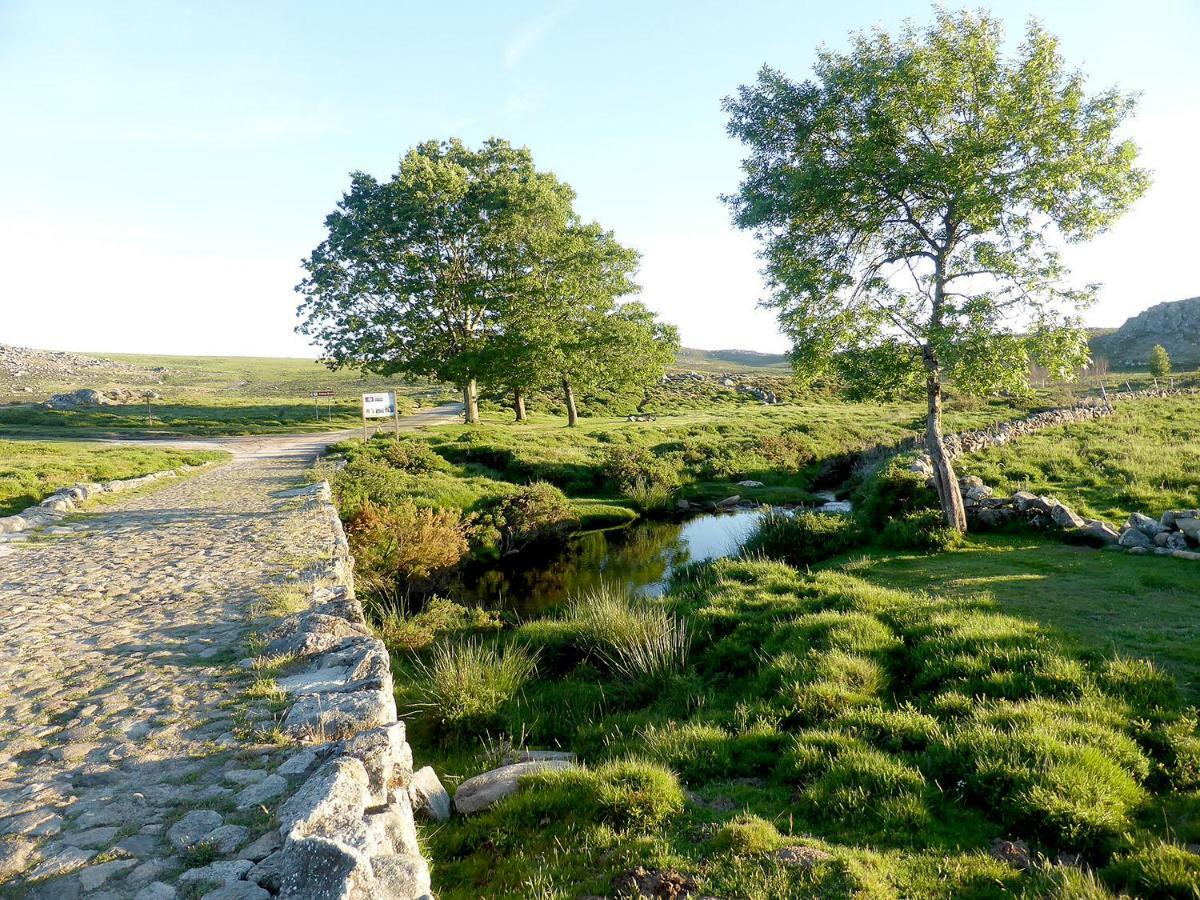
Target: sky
165 166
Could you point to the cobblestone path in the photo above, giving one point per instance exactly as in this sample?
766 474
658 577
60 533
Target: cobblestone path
133 757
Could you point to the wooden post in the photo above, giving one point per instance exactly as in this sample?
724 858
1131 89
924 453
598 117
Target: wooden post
396 411
363 410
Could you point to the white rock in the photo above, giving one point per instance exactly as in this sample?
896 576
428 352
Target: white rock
483 790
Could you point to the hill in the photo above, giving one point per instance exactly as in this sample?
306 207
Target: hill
1175 325
729 360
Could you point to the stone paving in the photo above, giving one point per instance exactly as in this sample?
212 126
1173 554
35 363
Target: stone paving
136 758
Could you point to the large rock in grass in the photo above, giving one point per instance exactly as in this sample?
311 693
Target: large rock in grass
1064 517
1097 533
483 790
1146 525
1188 521
1132 538
428 796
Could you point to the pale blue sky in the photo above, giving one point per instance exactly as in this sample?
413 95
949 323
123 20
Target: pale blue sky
164 166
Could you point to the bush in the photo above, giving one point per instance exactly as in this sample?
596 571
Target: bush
892 492
411 456
463 686
802 538
925 531
1161 870
635 472
397 547
536 514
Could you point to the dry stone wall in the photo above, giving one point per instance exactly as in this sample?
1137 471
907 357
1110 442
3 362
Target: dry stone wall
348 831
62 503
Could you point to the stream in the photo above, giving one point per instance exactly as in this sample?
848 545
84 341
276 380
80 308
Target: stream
641 557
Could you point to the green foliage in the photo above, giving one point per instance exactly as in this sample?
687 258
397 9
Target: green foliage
1160 361
903 237
648 480
746 836
892 492
802 538
463 686
436 618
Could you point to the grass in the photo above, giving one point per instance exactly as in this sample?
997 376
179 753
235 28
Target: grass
31 471
845 710
1144 607
1143 458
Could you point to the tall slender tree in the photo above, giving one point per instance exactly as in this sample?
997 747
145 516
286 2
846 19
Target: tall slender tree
911 199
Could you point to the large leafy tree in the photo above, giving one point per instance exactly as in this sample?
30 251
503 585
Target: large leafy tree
419 273
911 200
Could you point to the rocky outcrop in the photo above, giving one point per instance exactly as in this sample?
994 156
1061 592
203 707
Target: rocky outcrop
348 831
1175 325
87 397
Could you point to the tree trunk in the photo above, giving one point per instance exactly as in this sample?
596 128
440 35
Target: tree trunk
943 472
569 397
519 405
471 403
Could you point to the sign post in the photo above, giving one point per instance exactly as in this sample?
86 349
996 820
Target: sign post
377 406
317 404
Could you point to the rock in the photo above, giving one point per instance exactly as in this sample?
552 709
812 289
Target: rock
400 876
1185 554
268 872
1138 551
1133 538
1176 541
750 483
262 847
1098 533
729 501
485 789
995 517
261 792
66 860
316 868
331 802
193 828
1024 500
227 838
245 776
92 837
15 854
156 890
220 872
393 829
428 796
1064 517
378 750
1015 853
238 890
799 855
336 716
1146 525
310 633
1188 524
297 763
681 504
520 756
91 878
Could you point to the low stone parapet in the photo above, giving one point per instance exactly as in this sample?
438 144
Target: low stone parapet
348 831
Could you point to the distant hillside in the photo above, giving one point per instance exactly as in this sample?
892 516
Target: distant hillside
729 360
1175 325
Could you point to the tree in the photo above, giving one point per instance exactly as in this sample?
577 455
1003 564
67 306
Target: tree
910 200
1160 361
419 273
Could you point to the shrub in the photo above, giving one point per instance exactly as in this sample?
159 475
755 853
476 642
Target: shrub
635 472
534 514
463 685
1160 870
411 456
801 538
891 492
396 547
1160 361
747 835
926 531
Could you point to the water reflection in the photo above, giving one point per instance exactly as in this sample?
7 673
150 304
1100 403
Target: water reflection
641 557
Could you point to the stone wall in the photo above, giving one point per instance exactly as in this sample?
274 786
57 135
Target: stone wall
348 830
63 502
